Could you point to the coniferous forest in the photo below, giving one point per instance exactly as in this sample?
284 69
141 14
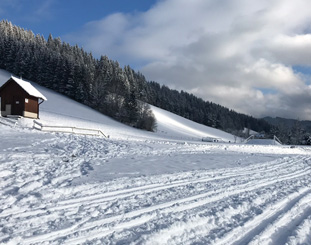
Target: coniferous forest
102 84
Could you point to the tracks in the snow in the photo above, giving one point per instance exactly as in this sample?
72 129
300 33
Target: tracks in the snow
222 201
265 223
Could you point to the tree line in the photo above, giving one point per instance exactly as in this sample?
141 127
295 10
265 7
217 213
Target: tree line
291 131
99 83
102 84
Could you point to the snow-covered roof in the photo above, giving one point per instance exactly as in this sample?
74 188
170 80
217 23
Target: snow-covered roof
31 90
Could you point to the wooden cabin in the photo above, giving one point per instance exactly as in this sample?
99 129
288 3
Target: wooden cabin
19 97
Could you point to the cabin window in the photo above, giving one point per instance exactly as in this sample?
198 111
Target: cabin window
26 100
17 102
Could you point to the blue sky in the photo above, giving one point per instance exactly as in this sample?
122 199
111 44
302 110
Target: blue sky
61 17
251 56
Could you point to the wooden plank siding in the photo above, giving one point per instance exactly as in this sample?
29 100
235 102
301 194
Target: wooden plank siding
21 102
32 105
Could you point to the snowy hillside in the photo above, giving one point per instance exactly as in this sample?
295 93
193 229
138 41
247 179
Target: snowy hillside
60 110
139 187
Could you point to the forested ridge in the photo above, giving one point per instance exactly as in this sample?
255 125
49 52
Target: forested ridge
102 84
291 131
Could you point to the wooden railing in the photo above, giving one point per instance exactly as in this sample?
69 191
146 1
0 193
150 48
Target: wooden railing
275 139
68 129
8 121
249 138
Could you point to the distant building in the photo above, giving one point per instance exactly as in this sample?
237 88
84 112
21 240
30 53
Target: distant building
20 98
249 132
211 139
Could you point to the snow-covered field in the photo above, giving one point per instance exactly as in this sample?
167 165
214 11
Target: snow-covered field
61 188
137 187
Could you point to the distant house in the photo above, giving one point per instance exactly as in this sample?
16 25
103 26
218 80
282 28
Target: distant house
19 97
211 139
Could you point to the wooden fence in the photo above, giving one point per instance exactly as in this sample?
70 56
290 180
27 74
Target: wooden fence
68 129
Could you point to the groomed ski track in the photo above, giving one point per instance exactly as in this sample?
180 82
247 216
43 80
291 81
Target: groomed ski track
48 195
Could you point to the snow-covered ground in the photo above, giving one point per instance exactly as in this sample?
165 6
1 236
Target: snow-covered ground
60 110
139 187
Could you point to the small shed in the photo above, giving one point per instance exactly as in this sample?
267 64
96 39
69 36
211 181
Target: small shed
19 97
211 139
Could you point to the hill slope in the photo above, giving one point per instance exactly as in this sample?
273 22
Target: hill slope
60 110
288 123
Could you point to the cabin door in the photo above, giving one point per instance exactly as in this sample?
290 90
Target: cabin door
7 110
17 106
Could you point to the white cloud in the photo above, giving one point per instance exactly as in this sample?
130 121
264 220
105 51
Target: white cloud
292 49
29 11
226 51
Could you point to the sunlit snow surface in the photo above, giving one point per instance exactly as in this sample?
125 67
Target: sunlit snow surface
137 187
60 110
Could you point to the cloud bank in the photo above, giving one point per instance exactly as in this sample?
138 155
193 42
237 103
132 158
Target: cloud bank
238 53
